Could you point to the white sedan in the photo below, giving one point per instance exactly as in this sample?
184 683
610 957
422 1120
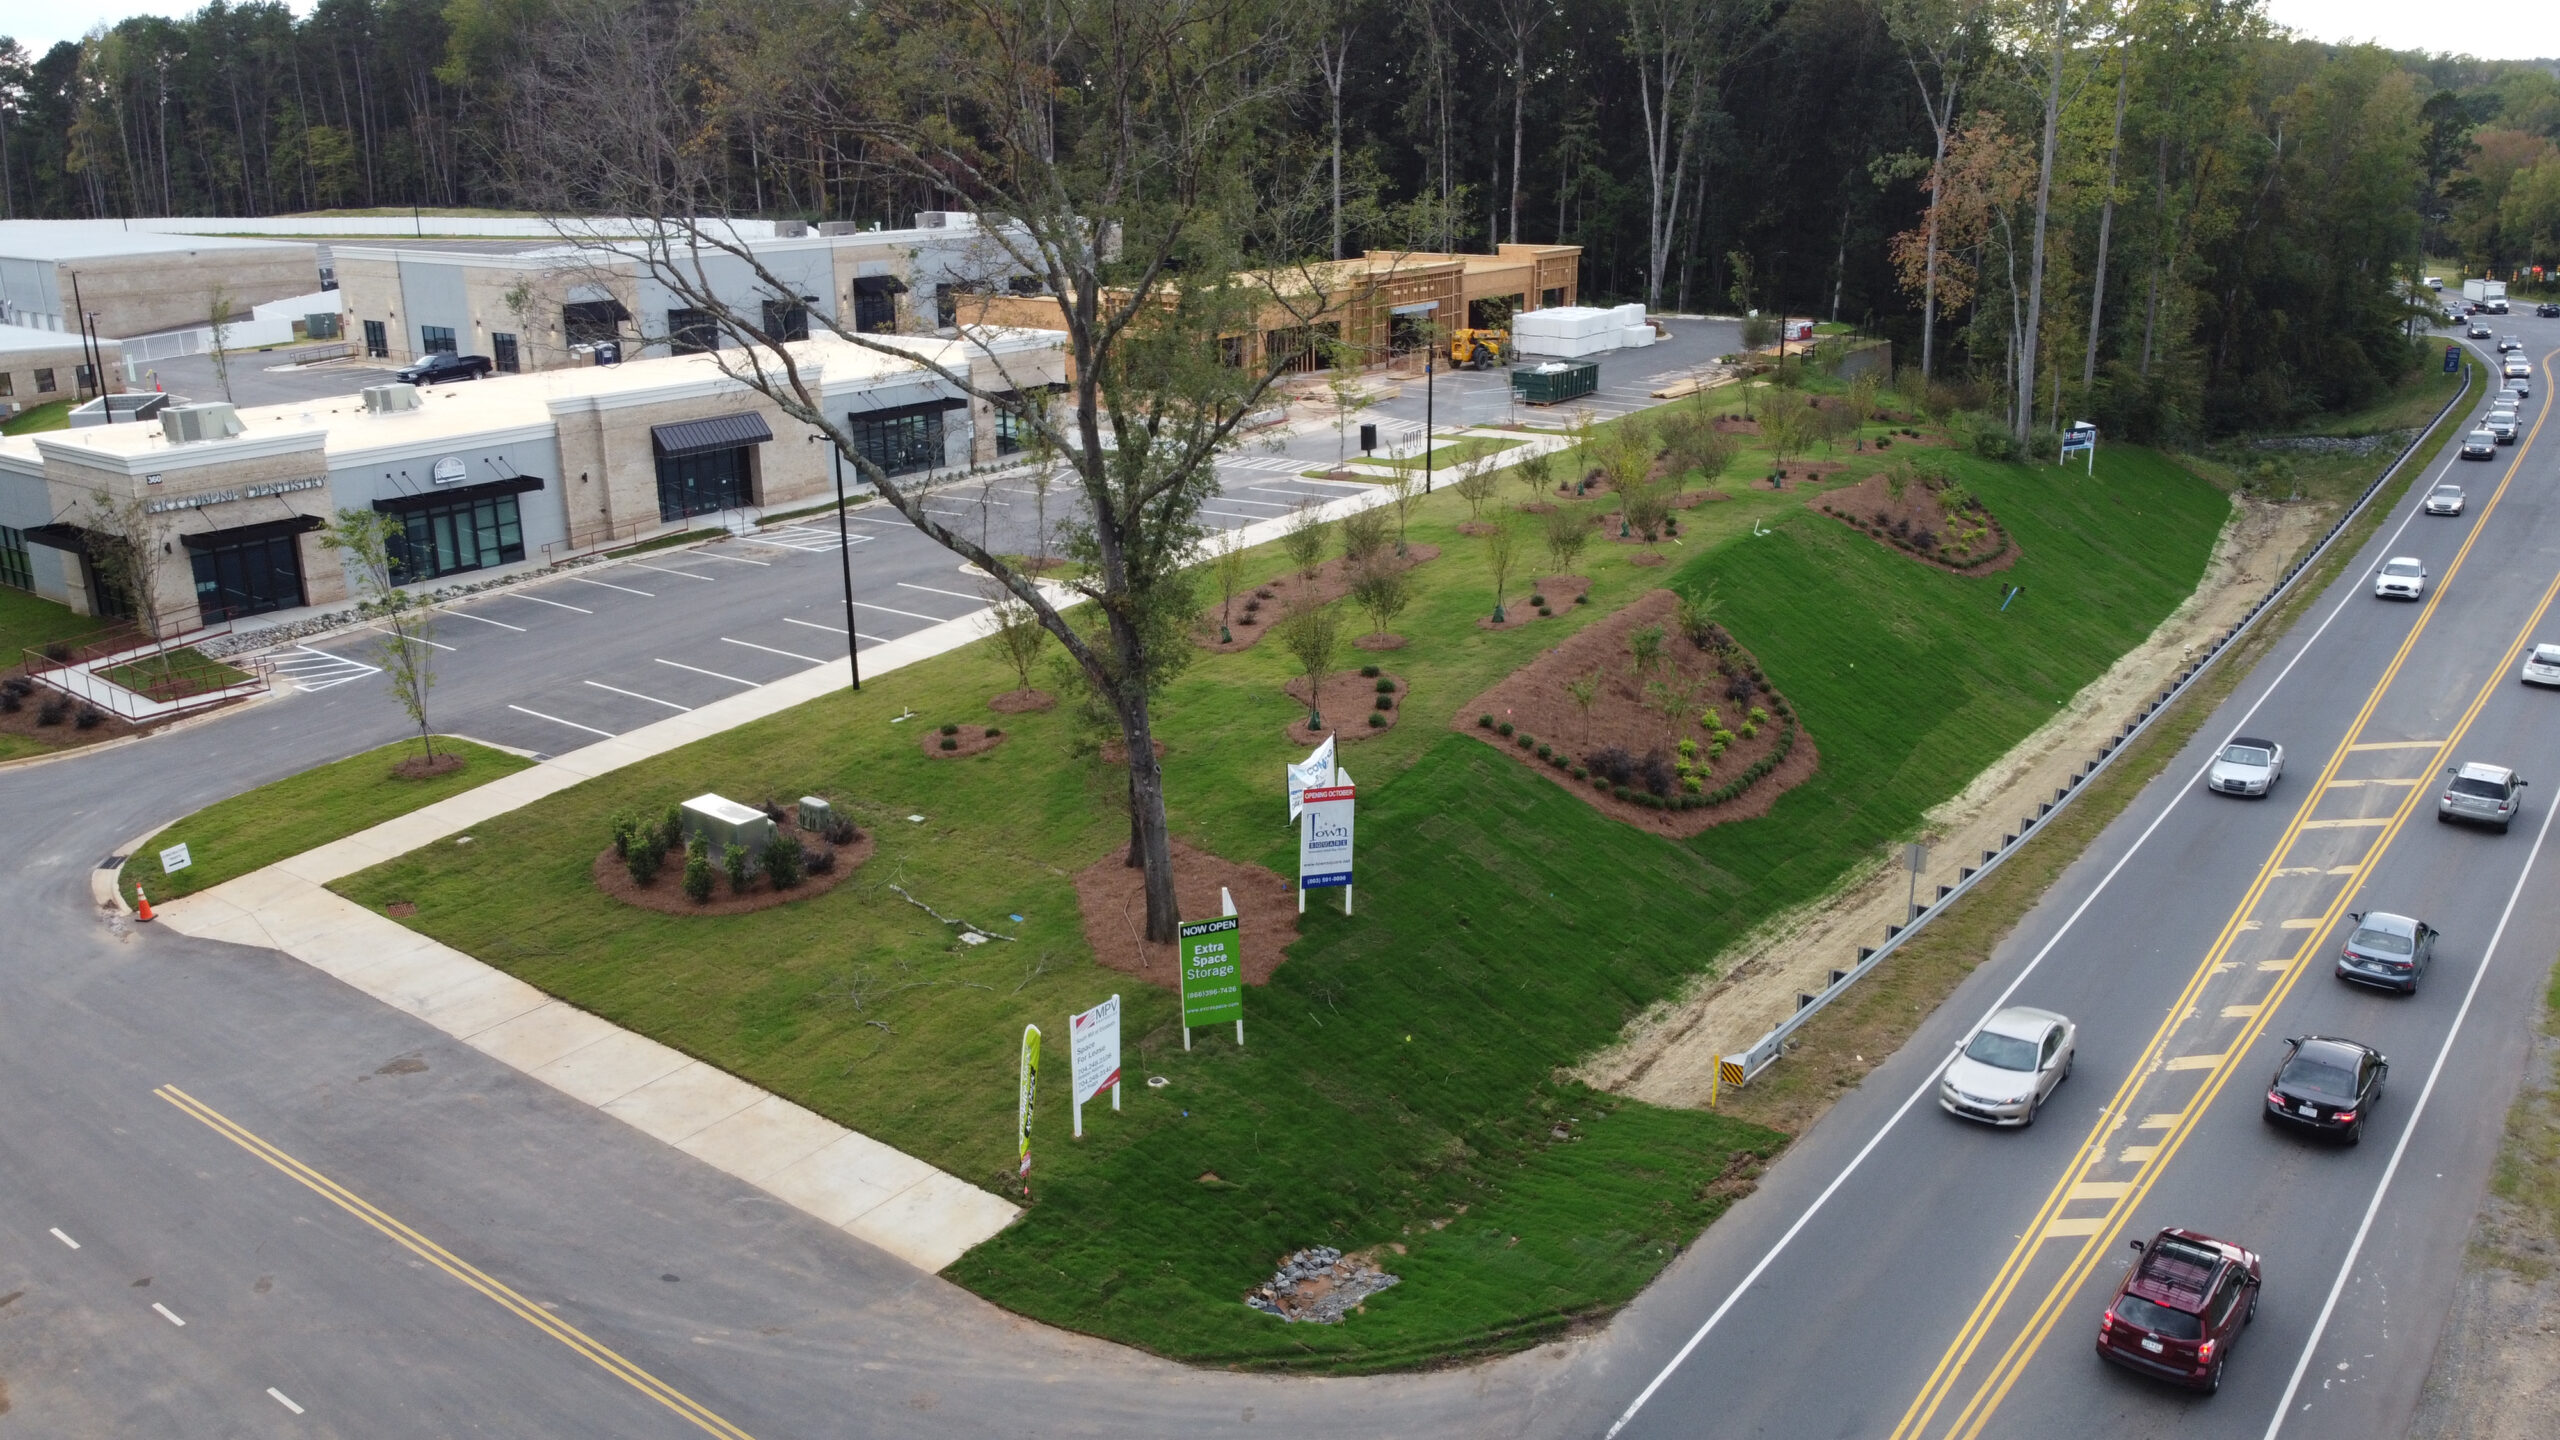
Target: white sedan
2445 500
2542 665
2009 1068
2403 577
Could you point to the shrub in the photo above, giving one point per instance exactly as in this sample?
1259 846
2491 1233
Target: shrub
950 744
1524 740
782 861
841 830
1581 773
741 865
1386 702
1484 722
1582 599
774 812
671 831
647 854
819 860
89 718
624 827
1503 729
1621 791
11 702
53 712
697 871
1377 721
1612 764
1538 600
1739 688
950 729
1385 686
994 733
1655 772
1545 750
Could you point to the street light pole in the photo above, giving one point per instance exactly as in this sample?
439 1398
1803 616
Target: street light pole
1430 359
844 550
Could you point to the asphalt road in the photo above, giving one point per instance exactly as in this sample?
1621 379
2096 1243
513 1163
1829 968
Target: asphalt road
1950 1281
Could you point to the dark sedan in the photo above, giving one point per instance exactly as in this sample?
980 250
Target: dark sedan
2326 1085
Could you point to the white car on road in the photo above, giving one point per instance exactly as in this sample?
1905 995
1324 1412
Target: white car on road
2542 665
2445 499
2246 766
2403 577
2010 1067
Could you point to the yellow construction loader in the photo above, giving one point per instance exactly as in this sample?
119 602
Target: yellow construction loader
1479 349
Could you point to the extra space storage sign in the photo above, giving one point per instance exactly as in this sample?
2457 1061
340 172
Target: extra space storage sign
1324 838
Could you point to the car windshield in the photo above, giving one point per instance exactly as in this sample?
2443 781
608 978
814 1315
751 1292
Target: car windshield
2482 789
2158 1319
2245 755
2318 1075
2546 654
2002 1052
2380 942
2401 567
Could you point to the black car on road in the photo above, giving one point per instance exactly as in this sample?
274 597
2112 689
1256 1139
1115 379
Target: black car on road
444 369
2326 1085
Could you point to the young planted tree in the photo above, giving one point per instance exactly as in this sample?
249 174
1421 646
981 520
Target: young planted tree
1535 474
1228 560
218 305
1404 493
125 545
1567 531
1312 634
1476 489
1342 385
1364 534
1784 425
1497 558
1017 632
1382 588
1584 692
404 621
1644 651
1628 454
1302 539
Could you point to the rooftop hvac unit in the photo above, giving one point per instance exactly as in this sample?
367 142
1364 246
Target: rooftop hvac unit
839 227
933 219
185 424
390 399
790 229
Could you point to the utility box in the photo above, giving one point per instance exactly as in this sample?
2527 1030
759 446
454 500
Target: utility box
1556 381
723 822
816 814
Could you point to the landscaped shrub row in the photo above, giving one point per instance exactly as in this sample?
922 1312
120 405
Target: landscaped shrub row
643 845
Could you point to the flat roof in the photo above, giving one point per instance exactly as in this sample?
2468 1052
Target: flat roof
22 338
65 240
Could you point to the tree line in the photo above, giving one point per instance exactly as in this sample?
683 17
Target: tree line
2162 214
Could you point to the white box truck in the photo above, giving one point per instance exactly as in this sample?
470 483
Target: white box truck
2489 295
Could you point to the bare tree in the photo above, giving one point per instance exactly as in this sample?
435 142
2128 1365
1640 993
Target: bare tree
218 304
404 621
1512 26
1679 50
1107 144
1940 39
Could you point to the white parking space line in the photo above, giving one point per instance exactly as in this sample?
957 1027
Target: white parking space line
954 594
636 695
732 559
898 524
554 604
556 720
714 674
65 1239
485 620
168 1314
1262 504
910 614
284 1400
421 639
1302 494
1338 484
625 589
1233 514
769 650
831 629
662 570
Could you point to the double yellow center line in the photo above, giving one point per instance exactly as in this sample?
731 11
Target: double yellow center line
460 1269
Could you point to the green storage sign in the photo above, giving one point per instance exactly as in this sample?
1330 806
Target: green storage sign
1212 953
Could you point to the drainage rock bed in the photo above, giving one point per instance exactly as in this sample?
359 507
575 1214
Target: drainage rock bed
1320 1285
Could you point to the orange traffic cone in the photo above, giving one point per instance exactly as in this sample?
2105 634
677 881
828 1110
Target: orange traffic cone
145 901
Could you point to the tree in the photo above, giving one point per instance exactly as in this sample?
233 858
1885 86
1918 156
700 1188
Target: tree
1312 634
1229 561
1644 651
1534 472
1677 48
1940 39
1404 492
1016 631
1383 588
218 308
1511 25
1567 531
1497 558
1584 692
406 623
1342 382
1476 487
125 543
1302 539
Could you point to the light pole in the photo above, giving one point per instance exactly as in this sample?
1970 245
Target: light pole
844 550
1430 359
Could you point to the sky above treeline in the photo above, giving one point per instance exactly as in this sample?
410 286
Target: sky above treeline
2490 29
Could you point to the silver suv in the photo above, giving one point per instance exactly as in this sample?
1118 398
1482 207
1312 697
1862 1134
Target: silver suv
2487 794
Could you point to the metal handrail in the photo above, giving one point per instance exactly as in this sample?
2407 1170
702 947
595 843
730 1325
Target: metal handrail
1738 1069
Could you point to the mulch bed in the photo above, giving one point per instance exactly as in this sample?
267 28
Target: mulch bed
1347 693
1388 640
419 767
1112 898
666 894
1559 591
66 734
1917 523
1021 702
1533 702
966 741
1258 609
1476 527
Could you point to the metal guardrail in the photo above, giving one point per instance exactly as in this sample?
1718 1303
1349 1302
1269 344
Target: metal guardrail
1739 1069
82 676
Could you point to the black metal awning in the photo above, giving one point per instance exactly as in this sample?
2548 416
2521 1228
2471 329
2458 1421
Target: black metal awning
457 494
701 437
59 537
246 534
879 285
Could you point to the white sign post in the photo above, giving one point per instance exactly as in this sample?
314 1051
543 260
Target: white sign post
1324 843
175 859
2080 438
1093 1056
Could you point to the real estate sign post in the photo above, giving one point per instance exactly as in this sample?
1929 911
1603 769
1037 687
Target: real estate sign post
1093 1057
1324 843
1212 960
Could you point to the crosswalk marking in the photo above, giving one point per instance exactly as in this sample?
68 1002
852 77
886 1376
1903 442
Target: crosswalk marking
804 537
316 670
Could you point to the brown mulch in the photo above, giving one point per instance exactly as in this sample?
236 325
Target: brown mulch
1018 702
1561 591
1532 699
1115 751
1388 640
973 740
1332 581
666 893
67 735
1475 527
1648 559
1857 506
1739 427
419 767
1349 699
1112 898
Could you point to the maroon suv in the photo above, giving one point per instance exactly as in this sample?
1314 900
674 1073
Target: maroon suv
2180 1308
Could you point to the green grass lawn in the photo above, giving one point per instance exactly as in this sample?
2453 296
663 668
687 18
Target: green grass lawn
1397 1089
174 674
1443 457
292 815
28 622
51 415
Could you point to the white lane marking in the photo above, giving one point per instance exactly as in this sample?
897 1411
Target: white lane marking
2444 1052
885 610
1930 1082
65 1239
1232 514
769 650
714 674
421 639
732 559
625 589
556 720
1257 504
1302 494
954 594
831 629
636 695
662 570
284 1400
901 523
168 1314
554 604
485 620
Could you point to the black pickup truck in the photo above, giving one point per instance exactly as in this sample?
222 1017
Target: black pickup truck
444 369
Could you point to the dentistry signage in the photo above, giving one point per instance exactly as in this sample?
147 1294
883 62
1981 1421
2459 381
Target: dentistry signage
224 497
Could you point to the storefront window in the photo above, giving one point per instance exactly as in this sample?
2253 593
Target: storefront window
592 322
899 441
700 484
438 339
15 572
245 577
457 535
44 382
377 340
502 353
692 332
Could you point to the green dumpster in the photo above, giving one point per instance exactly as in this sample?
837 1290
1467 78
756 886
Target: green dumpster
1556 381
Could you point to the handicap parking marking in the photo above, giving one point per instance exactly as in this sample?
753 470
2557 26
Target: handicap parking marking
421 639
806 538
831 629
709 554
636 695
556 720
1262 504
316 670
